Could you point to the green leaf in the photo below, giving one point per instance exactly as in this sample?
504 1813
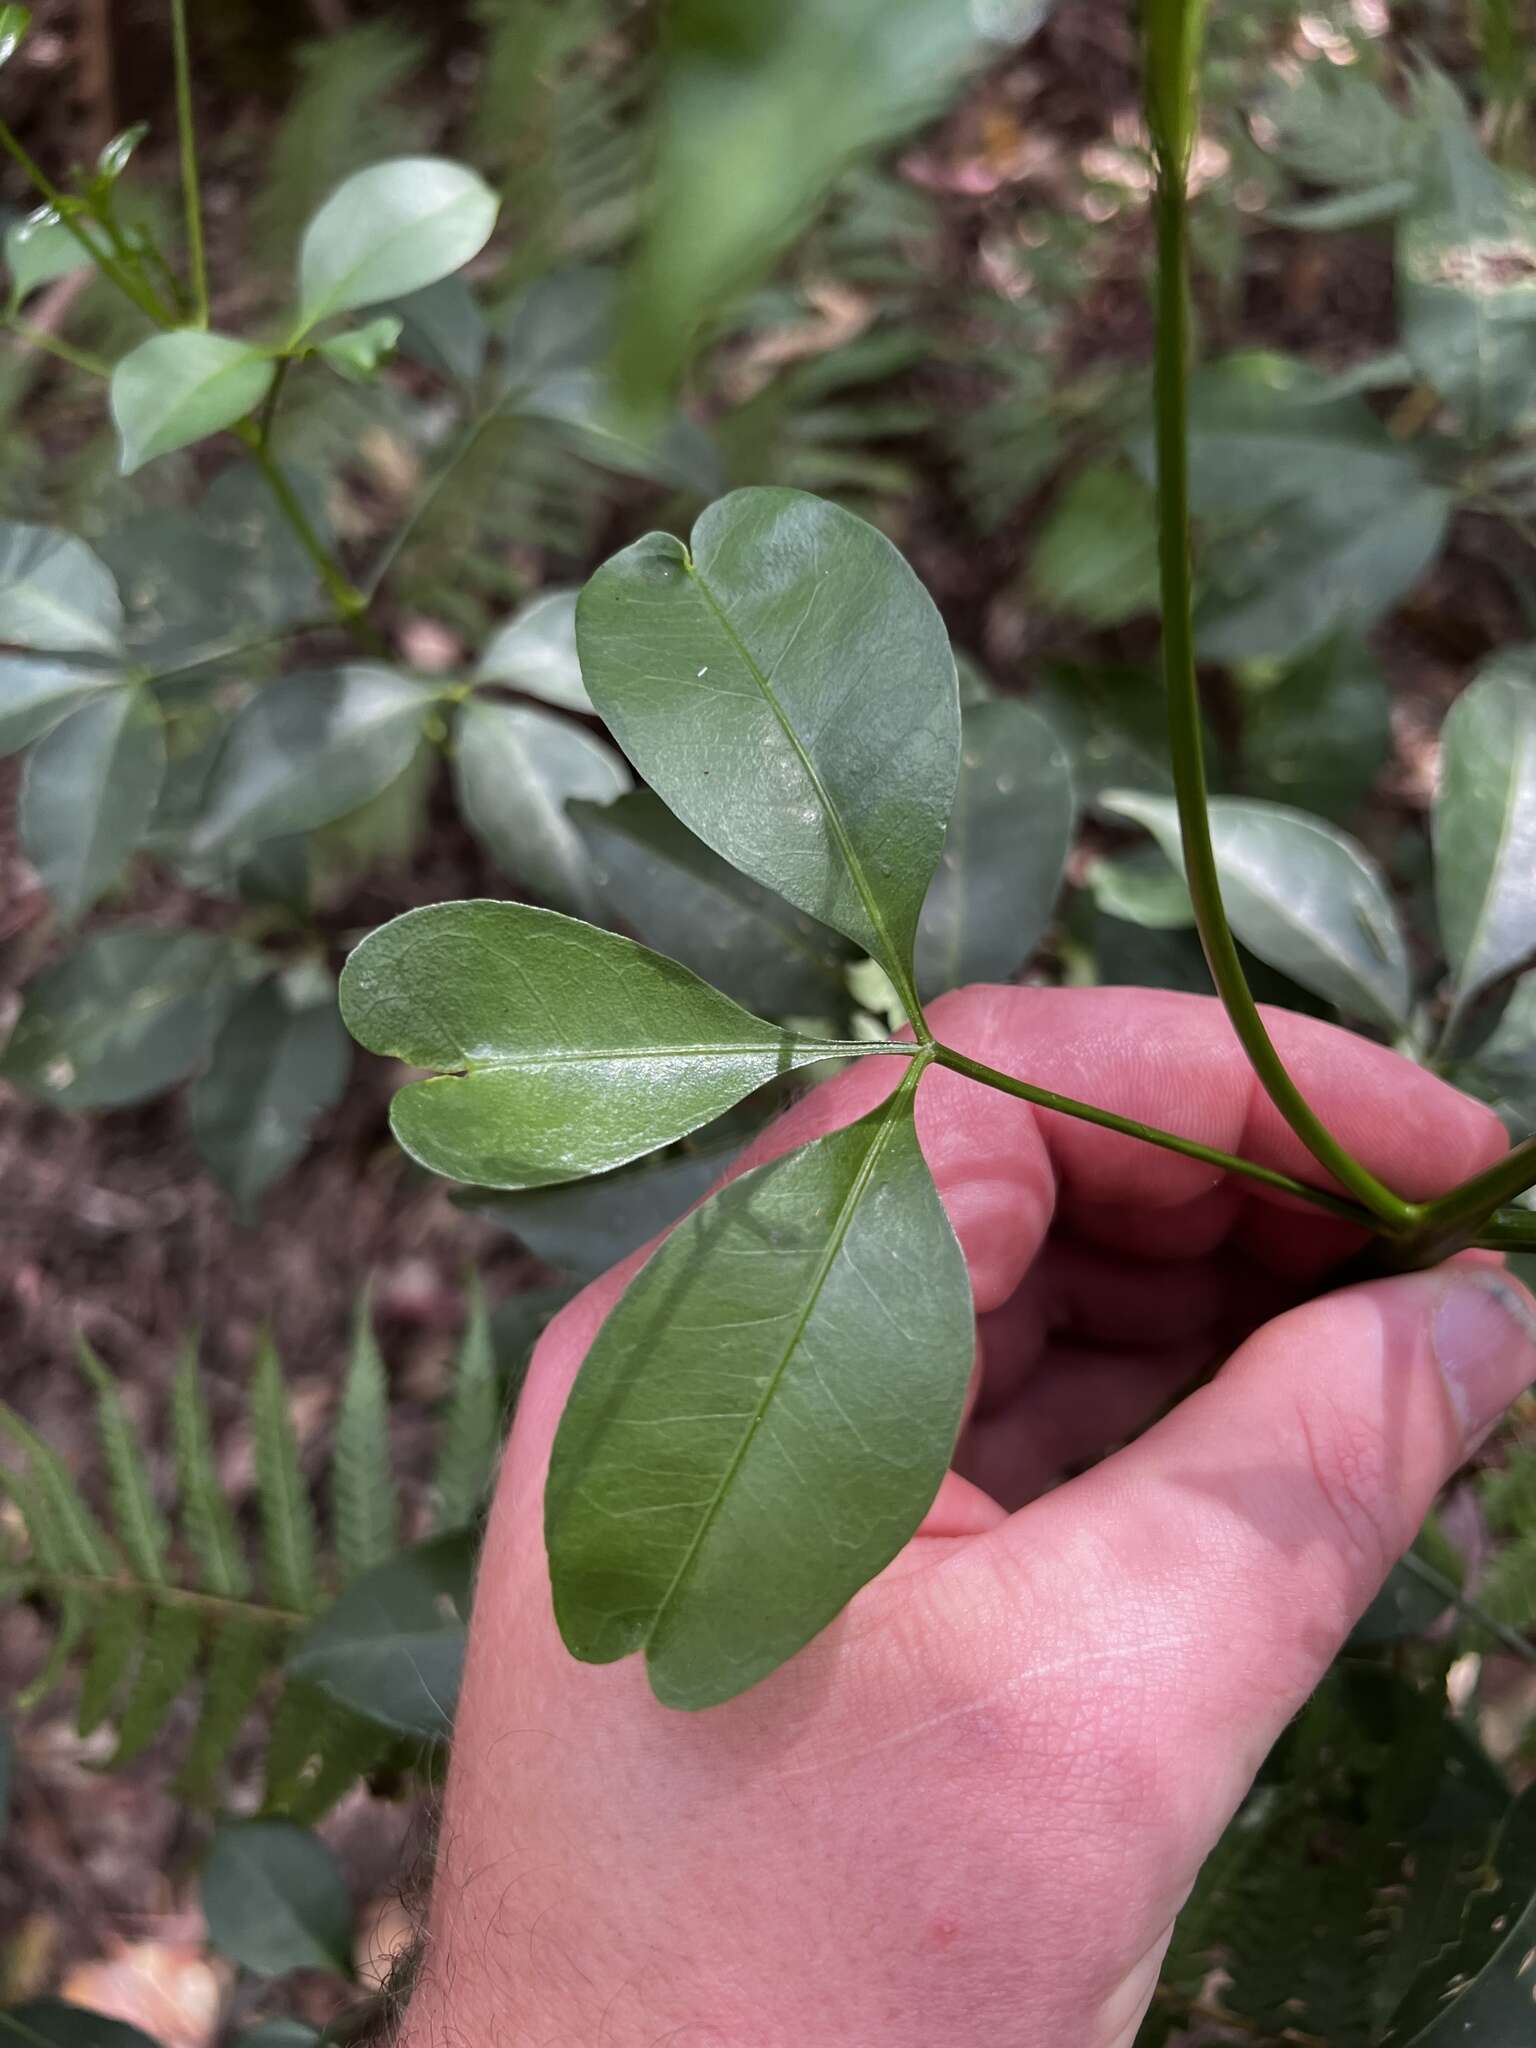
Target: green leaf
390 230
55 595
535 651
358 352
309 748
206 1518
734 675
281 2033
40 249
761 110
1005 852
178 388
140 1525
35 695
280 1062
1096 556
1466 264
1316 734
275 1899
362 1470
766 1416
561 1050
1502 1071
1143 888
656 878
1113 722
49 2022
241 1657
392 1647
14 23
472 1425
586 1226
287 1517
131 1011
443 327
116 154
515 770
1304 897
1485 823
173 1642
88 793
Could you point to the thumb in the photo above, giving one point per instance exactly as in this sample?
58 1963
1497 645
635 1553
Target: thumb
1246 1533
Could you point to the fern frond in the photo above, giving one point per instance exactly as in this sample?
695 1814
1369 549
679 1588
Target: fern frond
116 1632
472 1425
362 1478
287 1518
141 1527
318 1749
239 1661
76 1541
206 1521
172 1647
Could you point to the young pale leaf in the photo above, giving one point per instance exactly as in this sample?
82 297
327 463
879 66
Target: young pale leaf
14 23
177 388
1485 823
35 695
535 651
310 748
279 1063
129 1012
50 2022
392 1647
55 595
390 230
88 793
471 1425
1302 896
275 1899
735 673
561 1050
765 1417
357 352
688 903
362 1470
40 249
516 769
1005 851
1466 262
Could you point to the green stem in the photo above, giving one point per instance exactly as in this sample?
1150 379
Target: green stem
191 197
268 413
1510 1230
402 535
347 600
1449 1591
1132 1127
1457 1218
77 358
1185 738
107 264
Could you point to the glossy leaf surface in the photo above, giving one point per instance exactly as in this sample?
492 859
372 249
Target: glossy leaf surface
275 1899
1005 851
535 651
176 388
129 1012
280 1061
765 1417
39 249
680 897
564 1050
390 230
88 794
736 674
516 769
1302 896
392 1647
35 695
50 2022
55 595
310 748
1485 823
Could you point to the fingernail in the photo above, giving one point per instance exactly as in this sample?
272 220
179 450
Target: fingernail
1485 1342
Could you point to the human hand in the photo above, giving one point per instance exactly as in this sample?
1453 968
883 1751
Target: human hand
966 1815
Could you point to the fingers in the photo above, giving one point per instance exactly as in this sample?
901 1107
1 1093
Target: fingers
1245 1534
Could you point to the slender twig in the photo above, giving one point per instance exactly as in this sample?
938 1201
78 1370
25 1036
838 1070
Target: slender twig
268 414
1170 1141
77 358
402 535
1185 738
1458 1217
1510 1230
1510 1639
104 261
348 600
191 197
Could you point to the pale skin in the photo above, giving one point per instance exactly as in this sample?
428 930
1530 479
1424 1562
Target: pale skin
967 1814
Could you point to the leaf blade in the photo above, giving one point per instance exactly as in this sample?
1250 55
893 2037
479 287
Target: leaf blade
177 388
88 793
390 230
1484 823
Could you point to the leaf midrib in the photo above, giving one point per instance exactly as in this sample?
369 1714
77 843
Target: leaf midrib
898 1104
738 1048
892 961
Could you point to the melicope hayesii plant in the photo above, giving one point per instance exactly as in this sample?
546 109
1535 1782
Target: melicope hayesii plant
792 1362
